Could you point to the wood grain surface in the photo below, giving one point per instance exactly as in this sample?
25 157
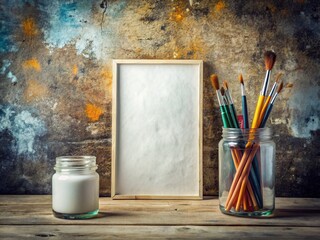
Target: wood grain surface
30 217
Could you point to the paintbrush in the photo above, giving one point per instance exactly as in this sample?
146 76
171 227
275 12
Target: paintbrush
254 172
244 103
232 109
268 111
223 94
225 105
269 59
234 124
227 124
215 84
266 104
235 192
243 179
231 114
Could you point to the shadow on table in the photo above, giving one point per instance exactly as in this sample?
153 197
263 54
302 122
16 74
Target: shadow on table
293 213
111 214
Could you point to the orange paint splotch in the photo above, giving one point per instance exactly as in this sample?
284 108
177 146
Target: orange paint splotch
75 70
219 6
29 27
106 76
93 112
32 64
35 91
177 14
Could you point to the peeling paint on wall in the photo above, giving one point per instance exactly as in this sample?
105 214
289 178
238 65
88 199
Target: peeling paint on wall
7 43
305 112
70 23
5 64
56 79
4 70
23 126
68 17
12 77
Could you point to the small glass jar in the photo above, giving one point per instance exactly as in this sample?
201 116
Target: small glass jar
75 187
247 172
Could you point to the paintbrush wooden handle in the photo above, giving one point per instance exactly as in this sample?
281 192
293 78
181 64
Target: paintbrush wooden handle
238 174
236 156
264 109
241 175
255 121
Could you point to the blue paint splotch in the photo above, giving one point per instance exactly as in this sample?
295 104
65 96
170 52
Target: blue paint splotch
12 77
70 22
66 21
10 21
5 70
67 14
8 26
23 126
305 111
5 64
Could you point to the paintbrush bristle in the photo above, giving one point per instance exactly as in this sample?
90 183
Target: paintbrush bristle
225 84
269 59
280 87
279 75
241 79
222 91
214 81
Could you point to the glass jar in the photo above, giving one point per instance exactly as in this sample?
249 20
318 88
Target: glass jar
247 172
75 187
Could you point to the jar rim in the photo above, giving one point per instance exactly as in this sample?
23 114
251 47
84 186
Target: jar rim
246 133
75 163
76 157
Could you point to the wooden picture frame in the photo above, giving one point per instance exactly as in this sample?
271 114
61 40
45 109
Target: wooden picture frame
157 129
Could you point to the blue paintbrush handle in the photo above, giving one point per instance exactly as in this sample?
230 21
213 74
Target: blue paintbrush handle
245 112
266 115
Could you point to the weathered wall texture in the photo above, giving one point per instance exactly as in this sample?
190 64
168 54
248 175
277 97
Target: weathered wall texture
56 78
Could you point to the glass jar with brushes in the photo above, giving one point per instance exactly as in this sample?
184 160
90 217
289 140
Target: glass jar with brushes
75 187
246 172
247 155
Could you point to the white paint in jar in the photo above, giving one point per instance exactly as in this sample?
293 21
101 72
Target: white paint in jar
75 187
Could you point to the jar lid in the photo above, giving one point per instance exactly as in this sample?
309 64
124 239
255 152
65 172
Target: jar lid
75 162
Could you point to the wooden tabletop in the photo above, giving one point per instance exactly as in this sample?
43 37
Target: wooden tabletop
30 217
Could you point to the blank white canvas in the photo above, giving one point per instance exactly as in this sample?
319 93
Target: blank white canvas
158 109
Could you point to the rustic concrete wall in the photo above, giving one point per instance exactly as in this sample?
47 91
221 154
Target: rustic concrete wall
56 77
